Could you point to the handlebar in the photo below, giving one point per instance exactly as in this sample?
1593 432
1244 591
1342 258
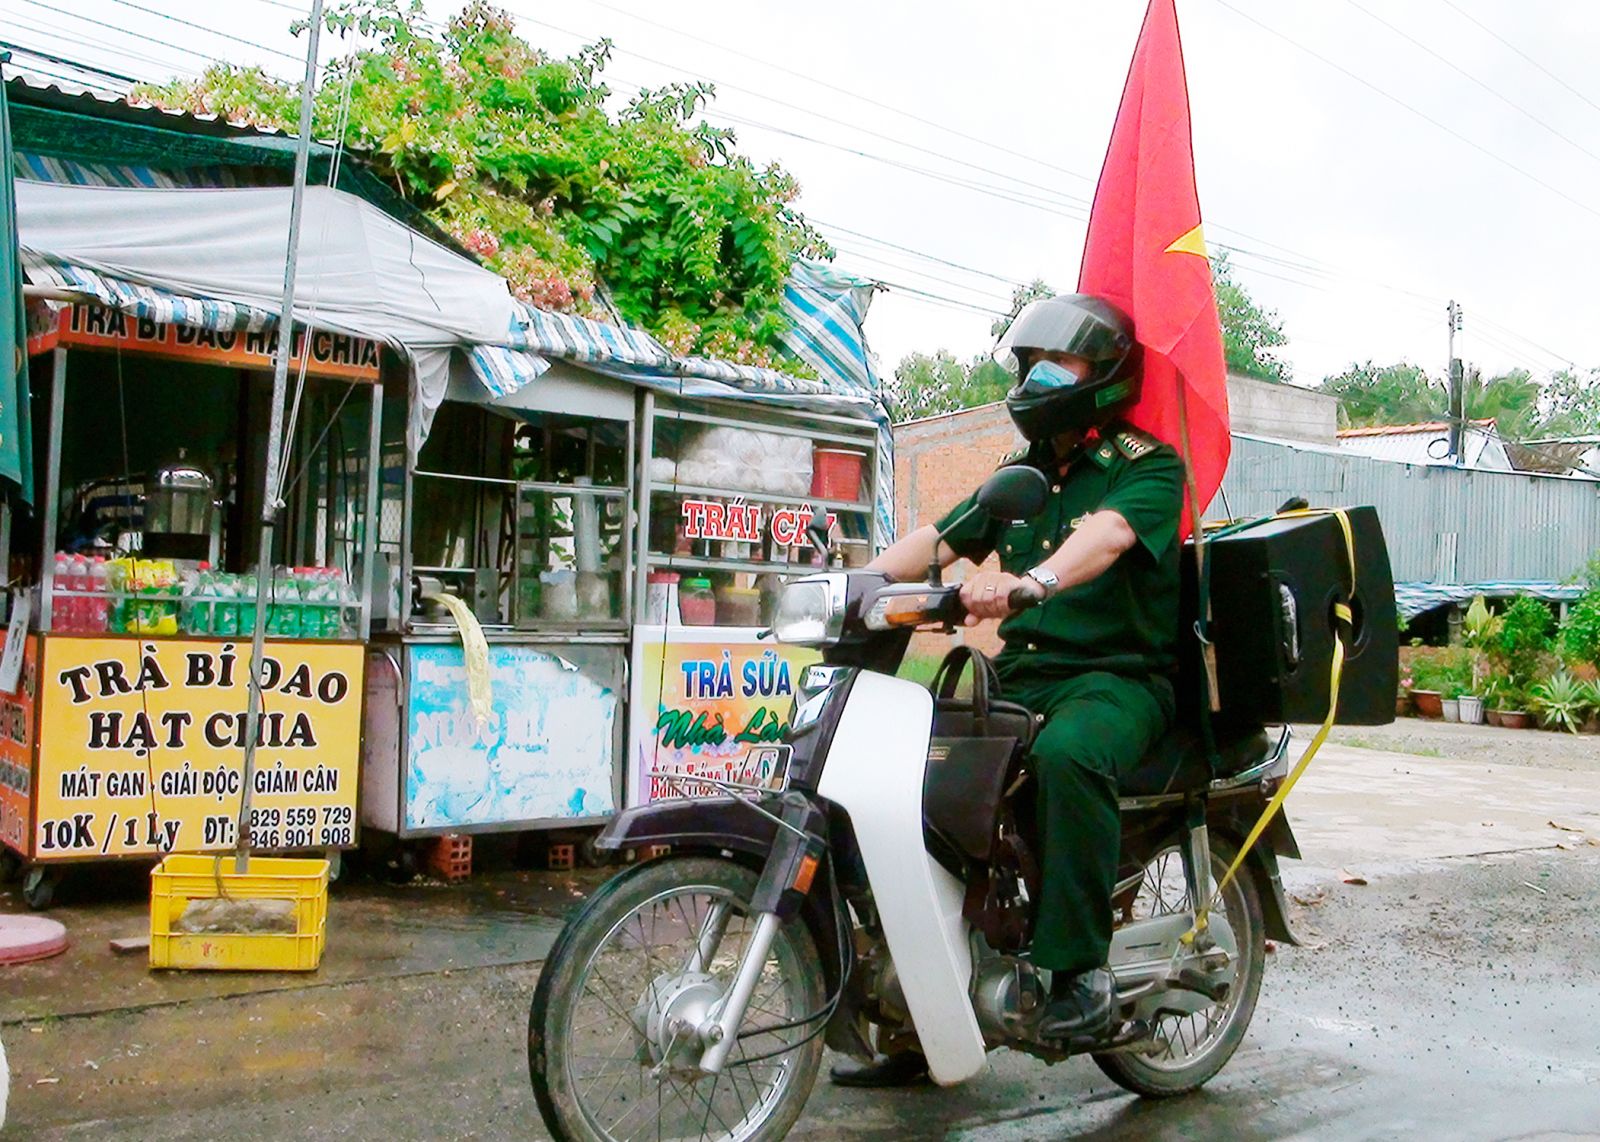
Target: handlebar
1022 599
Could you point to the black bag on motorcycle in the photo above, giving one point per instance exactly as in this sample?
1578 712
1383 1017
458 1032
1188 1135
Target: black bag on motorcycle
974 759
1273 585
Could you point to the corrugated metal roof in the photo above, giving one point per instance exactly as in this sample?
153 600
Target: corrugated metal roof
1428 444
26 91
1442 524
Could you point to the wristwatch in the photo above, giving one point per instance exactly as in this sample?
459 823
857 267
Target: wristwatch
1045 577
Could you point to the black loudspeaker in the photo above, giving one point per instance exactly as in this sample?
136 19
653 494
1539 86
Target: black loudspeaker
1273 589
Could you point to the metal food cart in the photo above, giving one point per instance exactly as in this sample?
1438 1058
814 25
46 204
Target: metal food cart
123 682
620 542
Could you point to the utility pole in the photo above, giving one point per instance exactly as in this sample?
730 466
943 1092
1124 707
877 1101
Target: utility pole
1458 404
280 385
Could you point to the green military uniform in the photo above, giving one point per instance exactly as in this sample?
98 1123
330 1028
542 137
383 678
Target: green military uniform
1094 661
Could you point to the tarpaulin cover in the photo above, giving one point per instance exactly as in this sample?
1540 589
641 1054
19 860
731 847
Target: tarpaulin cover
360 271
16 460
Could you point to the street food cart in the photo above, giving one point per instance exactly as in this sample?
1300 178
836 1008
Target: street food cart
123 678
620 540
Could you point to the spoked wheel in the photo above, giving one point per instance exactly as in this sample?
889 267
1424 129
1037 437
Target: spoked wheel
612 1050
1192 1045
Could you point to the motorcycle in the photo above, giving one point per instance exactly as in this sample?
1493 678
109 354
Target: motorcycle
875 872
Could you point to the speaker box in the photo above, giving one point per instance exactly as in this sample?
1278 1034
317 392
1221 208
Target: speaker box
1273 589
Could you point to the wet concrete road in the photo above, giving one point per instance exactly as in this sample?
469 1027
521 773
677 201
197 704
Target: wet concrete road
1452 996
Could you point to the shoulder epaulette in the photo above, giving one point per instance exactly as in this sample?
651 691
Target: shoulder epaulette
1135 444
1020 456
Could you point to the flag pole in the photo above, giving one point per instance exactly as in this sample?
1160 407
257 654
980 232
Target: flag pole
272 488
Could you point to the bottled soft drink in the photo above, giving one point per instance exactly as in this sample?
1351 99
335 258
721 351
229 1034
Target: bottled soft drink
196 603
245 587
61 605
100 585
284 619
347 614
224 610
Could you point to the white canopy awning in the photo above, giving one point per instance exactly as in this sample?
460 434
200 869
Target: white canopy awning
360 271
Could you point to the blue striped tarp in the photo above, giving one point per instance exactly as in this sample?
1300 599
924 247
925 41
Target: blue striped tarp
583 341
826 310
145 301
503 371
1413 599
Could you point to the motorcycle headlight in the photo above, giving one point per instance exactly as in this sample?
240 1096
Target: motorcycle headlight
811 611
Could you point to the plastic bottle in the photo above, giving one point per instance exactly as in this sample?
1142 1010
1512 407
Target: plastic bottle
346 614
100 585
196 604
224 610
60 614
82 605
245 586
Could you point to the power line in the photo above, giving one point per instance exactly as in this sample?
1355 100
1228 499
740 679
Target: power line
122 31
945 156
913 116
908 250
40 29
36 53
1423 115
208 31
1463 71
1513 47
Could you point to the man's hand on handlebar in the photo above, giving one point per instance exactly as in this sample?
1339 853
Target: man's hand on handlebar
995 594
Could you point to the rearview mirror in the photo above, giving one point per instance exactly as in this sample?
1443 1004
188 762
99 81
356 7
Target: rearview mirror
1014 492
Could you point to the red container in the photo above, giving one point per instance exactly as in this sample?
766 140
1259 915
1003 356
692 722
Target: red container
836 474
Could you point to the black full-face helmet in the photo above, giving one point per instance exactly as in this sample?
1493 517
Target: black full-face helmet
1048 399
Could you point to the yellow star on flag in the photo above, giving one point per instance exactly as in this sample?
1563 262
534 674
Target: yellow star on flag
1194 242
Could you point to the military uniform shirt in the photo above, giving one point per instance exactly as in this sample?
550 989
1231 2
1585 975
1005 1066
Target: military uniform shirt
1124 620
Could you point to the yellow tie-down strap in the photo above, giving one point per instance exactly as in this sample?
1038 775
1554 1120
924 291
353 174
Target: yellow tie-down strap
1345 616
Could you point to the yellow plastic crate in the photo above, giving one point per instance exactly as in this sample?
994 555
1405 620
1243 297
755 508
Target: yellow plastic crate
181 878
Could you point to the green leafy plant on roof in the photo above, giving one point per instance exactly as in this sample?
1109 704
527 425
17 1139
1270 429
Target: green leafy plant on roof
526 161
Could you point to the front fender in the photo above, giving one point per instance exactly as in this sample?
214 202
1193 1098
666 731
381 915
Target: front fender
714 823
726 823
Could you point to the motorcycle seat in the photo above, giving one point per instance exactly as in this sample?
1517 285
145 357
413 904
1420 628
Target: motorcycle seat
1177 762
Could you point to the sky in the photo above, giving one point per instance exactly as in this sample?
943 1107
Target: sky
1364 161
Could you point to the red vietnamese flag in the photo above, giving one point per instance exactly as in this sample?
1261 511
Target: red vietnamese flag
1145 253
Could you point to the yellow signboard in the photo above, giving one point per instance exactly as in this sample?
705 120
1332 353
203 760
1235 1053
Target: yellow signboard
141 746
702 699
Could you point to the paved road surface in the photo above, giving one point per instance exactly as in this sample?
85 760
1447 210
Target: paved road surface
1455 995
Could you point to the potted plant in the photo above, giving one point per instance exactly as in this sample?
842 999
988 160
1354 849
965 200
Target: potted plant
1561 701
1402 696
1591 690
1471 707
1426 680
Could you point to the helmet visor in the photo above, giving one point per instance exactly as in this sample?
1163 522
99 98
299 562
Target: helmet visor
1058 325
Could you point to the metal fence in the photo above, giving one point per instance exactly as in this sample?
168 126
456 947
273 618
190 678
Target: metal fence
1442 525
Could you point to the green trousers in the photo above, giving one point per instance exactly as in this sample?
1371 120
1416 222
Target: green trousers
1097 727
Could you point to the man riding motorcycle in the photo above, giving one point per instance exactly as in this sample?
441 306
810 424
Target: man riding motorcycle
1094 658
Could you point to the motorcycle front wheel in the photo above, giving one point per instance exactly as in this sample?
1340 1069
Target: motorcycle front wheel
650 954
1187 1050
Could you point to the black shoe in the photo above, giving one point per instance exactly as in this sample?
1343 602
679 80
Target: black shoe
1079 1008
904 1068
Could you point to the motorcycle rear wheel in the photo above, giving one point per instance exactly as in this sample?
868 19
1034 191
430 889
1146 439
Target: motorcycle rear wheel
1191 1049
597 1073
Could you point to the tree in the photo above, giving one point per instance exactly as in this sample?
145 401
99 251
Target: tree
1510 399
1249 333
1570 403
930 385
1388 394
518 155
1020 296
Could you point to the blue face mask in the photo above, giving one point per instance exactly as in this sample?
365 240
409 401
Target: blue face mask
1047 376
